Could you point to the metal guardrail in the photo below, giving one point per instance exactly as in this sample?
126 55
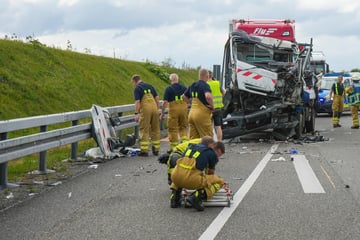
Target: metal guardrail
21 146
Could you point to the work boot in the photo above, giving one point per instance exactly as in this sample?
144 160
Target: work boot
195 199
154 151
354 127
175 198
143 154
338 125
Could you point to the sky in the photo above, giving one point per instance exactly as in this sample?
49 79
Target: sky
183 32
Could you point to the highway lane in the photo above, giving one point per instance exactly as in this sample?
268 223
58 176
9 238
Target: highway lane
128 198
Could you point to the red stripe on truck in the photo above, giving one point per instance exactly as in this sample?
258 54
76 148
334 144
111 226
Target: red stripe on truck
257 77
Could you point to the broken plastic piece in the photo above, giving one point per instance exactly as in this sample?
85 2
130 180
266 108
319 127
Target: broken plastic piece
294 151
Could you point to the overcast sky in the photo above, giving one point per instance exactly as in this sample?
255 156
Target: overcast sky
186 31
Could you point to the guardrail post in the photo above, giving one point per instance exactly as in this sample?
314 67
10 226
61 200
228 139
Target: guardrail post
42 158
3 175
4 169
74 146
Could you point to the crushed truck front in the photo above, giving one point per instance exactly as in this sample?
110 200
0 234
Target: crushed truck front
266 81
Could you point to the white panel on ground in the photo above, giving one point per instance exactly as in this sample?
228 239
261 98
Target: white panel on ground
309 182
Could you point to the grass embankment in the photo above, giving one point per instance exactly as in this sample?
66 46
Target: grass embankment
38 80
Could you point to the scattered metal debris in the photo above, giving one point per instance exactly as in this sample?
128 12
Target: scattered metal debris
56 183
280 159
38 182
10 195
237 178
94 166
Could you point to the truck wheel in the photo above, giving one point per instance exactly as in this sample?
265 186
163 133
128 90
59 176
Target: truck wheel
300 127
280 134
310 125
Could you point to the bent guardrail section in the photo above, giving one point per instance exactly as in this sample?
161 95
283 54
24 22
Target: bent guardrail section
14 148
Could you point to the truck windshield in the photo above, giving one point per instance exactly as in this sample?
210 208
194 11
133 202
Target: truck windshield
247 52
256 53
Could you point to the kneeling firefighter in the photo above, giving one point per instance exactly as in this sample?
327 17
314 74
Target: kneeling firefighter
196 170
171 158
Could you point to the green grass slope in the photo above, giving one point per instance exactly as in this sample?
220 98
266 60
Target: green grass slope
37 80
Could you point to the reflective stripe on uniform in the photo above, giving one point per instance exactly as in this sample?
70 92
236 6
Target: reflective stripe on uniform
185 166
195 155
337 90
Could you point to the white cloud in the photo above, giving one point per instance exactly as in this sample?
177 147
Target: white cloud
67 3
185 30
187 44
342 6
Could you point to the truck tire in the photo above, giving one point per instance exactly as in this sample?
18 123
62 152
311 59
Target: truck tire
299 129
280 134
310 124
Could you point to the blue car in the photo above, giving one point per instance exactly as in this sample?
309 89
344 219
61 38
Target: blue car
323 103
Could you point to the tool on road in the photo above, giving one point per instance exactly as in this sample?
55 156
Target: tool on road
222 198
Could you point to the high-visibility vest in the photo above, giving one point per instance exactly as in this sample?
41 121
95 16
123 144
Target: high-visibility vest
216 93
337 89
354 97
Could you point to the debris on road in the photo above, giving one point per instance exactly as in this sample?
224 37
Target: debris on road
280 159
94 166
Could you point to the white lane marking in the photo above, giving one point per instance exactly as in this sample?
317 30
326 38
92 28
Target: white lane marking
309 182
217 224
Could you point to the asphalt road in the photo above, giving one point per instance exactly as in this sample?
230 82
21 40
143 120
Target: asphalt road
313 193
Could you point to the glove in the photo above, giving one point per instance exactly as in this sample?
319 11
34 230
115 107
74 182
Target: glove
163 158
349 90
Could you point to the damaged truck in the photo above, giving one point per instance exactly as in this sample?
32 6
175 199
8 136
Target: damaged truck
268 80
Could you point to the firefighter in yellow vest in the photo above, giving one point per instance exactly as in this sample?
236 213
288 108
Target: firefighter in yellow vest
199 95
146 113
353 92
196 170
171 158
217 115
337 93
177 120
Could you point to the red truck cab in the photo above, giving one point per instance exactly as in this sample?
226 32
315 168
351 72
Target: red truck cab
282 29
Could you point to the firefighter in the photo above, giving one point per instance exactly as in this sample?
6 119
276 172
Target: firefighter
217 115
337 93
177 114
353 92
201 100
146 113
171 158
196 170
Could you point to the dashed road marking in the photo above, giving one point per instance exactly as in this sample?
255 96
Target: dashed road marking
309 182
217 224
